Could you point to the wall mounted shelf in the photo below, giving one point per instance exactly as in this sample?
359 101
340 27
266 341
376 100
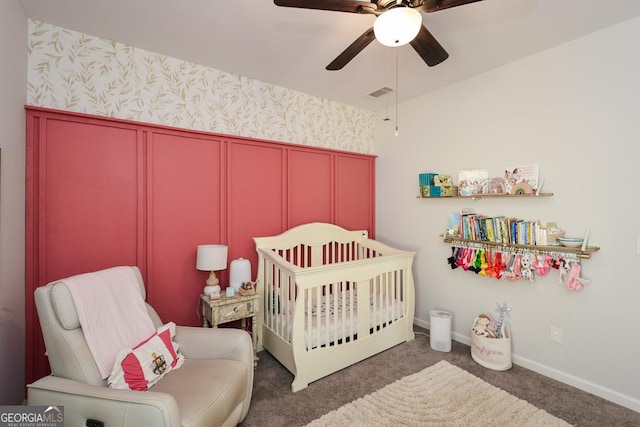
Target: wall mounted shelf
489 196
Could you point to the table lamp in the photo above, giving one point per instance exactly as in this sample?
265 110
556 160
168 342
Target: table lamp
212 258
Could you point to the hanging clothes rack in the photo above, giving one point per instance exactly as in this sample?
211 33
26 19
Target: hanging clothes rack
512 247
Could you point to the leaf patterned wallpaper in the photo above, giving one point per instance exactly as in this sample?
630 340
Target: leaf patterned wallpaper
71 71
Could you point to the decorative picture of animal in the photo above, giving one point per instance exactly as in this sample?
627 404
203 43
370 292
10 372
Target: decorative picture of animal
471 181
521 179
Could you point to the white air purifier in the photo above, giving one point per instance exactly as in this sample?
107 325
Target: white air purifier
440 330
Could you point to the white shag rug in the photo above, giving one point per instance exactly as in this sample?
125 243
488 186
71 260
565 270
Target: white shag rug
439 396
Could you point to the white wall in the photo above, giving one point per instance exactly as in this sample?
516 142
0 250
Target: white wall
13 85
575 111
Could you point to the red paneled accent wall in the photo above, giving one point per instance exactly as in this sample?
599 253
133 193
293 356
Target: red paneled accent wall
104 192
310 187
353 174
184 192
256 195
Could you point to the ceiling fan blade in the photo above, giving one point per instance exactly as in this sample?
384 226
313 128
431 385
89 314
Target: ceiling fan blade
436 5
428 48
350 52
334 5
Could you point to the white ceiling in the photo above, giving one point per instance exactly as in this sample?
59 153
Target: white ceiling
291 47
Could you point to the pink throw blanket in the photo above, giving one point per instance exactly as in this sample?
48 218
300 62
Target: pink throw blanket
111 311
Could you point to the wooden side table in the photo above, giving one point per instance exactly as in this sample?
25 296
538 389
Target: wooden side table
228 309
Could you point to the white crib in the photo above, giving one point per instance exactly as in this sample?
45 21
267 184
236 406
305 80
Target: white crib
331 298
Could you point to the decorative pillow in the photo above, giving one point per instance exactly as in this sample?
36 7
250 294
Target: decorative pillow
141 367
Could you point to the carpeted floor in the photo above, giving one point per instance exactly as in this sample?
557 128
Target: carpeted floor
440 395
273 404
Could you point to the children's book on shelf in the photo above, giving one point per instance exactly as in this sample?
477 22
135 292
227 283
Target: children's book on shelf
472 181
522 179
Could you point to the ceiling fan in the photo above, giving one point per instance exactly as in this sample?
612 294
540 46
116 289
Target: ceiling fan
422 41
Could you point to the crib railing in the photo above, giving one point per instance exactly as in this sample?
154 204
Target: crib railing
341 312
329 314
334 311
329 253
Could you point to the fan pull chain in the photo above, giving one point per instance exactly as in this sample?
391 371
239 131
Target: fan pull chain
396 133
386 116
386 95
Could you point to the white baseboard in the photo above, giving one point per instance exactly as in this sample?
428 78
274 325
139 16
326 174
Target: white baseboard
582 384
421 323
579 383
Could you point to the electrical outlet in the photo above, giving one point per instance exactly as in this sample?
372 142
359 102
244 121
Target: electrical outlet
555 334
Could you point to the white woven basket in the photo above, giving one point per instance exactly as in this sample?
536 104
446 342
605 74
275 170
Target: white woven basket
492 353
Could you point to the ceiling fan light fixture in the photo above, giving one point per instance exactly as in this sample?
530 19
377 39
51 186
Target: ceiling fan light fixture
397 26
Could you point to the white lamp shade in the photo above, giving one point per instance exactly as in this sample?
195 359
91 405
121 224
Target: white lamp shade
397 26
211 257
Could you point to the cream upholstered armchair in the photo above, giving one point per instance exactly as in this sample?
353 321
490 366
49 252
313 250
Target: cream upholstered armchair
212 387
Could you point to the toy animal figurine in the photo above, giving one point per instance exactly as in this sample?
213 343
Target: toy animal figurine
248 288
482 326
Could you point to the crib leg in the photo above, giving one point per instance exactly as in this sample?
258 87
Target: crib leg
298 384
